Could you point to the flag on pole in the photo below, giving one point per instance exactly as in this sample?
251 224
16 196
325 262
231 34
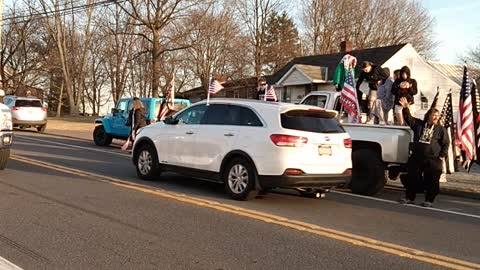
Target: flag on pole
168 103
435 99
446 120
466 133
214 87
476 117
270 94
349 100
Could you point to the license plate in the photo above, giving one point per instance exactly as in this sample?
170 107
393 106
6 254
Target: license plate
325 150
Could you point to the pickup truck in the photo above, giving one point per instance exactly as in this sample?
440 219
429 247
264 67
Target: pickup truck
6 133
379 151
113 125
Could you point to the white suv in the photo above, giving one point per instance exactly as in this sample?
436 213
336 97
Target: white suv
249 145
27 112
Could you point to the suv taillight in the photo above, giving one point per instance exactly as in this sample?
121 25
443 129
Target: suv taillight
288 140
14 108
347 142
44 109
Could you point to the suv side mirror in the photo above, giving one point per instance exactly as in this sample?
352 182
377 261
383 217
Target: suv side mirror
170 121
2 92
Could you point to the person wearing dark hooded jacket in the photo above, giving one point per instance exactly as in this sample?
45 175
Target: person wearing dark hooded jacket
430 147
405 87
373 74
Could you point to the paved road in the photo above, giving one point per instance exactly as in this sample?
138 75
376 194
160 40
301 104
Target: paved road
53 217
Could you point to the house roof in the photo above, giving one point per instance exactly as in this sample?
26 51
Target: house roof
454 72
378 56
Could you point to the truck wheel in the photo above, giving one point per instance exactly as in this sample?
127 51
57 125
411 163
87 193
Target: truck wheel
4 155
42 128
368 176
100 137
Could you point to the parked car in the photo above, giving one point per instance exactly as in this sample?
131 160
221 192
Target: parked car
6 133
27 112
113 126
248 145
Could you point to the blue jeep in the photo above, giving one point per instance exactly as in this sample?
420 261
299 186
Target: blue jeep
113 126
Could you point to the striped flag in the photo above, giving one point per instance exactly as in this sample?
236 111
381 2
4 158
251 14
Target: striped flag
270 95
348 98
168 103
215 86
476 117
446 120
465 115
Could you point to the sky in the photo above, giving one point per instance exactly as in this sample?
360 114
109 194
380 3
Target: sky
457 27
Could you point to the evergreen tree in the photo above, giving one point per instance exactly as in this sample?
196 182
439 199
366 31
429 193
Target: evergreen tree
282 42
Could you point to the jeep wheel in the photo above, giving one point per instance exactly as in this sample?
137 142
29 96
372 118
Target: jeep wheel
100 137
368 176
146 162
4 155
240 178
42 128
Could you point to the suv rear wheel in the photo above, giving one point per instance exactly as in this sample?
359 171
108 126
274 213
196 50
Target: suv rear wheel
240 178
100 137
146 162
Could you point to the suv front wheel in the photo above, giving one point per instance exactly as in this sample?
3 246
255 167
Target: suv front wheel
240 177
146 162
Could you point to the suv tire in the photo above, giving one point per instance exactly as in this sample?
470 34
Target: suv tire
146 162
240 179
4 154
100 137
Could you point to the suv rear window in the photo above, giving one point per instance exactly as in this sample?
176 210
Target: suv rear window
27 103
311 121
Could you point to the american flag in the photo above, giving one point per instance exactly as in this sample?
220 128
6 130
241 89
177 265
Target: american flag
465 114
348 98
446 120
476 116
270 94
167 105
215 86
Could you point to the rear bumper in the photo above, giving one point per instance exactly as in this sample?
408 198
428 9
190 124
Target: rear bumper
17 122
304 181
6 139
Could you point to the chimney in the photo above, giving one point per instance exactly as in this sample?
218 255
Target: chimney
345 46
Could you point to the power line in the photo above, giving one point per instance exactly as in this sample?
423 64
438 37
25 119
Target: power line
64 11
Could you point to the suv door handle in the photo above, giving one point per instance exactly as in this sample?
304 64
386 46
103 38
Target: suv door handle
228 134
189 132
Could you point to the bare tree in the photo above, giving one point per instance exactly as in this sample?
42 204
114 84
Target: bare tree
118 34
218 37
473 56
155 17
255 14
367 23
21 51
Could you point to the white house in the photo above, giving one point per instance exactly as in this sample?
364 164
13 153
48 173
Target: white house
310 73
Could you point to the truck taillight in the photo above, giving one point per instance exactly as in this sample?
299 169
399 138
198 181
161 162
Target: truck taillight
347 142
288 140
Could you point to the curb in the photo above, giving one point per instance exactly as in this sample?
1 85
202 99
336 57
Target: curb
470 194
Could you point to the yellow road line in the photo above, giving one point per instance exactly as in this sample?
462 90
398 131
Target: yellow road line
362 241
